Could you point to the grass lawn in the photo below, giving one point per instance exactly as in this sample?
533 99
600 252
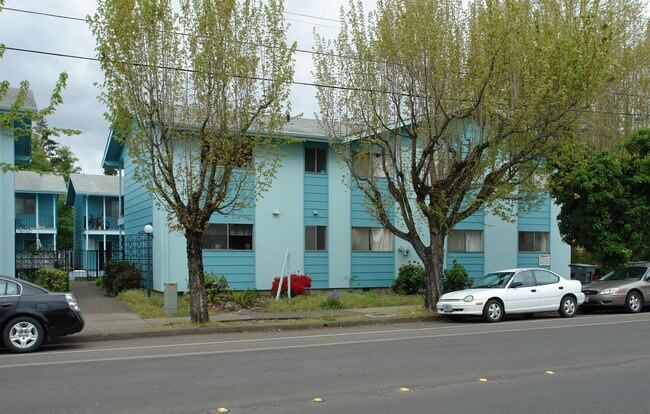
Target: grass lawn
152 307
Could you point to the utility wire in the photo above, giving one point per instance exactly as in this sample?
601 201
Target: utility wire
60 16
299 83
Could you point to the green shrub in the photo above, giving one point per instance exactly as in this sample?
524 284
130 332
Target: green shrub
410 279
215 286
120 275
455 278
244 298
52 279
126 280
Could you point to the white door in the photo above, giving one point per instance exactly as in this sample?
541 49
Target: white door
550 290
522 294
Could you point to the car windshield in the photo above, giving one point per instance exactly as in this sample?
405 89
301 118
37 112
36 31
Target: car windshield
625 273
493 280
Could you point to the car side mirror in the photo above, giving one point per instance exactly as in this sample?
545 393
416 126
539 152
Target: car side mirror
516 284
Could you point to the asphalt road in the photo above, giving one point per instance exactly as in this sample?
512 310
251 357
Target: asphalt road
587 364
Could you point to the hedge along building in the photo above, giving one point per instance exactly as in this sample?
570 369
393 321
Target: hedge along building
15 149
313 213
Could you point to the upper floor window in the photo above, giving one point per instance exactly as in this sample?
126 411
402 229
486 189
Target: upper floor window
465 241
316 160
533 241
228 237
315 238
376 239
112 208
368 164
25 205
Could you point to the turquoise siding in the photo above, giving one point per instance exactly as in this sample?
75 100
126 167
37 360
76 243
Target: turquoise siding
316 200
372 269
472 262
474 222
138 203
528 260
369 269
237 266
537 220
316 208
317 267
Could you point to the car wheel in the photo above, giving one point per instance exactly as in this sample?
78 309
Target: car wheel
633 302
493 311
23 334
568 307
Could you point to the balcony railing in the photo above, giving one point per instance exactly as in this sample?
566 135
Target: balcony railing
28 221
101 223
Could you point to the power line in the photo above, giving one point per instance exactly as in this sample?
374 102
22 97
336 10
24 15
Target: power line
80 19
299 83
60 16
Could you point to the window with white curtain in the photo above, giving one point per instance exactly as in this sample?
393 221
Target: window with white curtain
465 241
376 239
368 164
228 237
534 241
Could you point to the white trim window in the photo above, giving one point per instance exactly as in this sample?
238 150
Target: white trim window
219 236
534 241
315 238
375 239
465 241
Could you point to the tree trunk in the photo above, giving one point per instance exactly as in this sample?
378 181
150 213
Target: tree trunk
198 302
433 261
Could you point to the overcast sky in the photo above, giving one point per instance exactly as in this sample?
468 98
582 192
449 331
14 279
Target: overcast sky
81 109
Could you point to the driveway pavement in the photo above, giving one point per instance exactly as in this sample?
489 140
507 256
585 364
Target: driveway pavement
108 318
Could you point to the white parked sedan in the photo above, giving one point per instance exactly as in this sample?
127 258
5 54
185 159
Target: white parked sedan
514 291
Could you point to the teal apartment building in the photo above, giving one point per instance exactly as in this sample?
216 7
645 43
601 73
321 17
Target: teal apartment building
313 222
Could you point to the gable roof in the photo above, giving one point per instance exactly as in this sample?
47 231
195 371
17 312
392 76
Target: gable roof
11 96
33 182
97 185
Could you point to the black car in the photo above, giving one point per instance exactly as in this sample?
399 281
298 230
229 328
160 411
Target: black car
30 315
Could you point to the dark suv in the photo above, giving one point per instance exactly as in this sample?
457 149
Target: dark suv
627 287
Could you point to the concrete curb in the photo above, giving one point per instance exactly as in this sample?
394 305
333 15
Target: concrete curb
243 328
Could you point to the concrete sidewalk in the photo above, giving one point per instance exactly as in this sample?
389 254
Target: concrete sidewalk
108 318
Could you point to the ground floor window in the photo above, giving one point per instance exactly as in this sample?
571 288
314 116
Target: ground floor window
465 241
228 237
534 241
376 239
315 238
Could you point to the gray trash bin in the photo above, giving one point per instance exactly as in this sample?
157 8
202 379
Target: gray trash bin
582 272
170 297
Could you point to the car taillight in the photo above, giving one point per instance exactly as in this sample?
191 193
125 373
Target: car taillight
72 301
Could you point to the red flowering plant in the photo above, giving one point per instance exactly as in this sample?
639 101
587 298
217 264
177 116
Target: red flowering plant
299 285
